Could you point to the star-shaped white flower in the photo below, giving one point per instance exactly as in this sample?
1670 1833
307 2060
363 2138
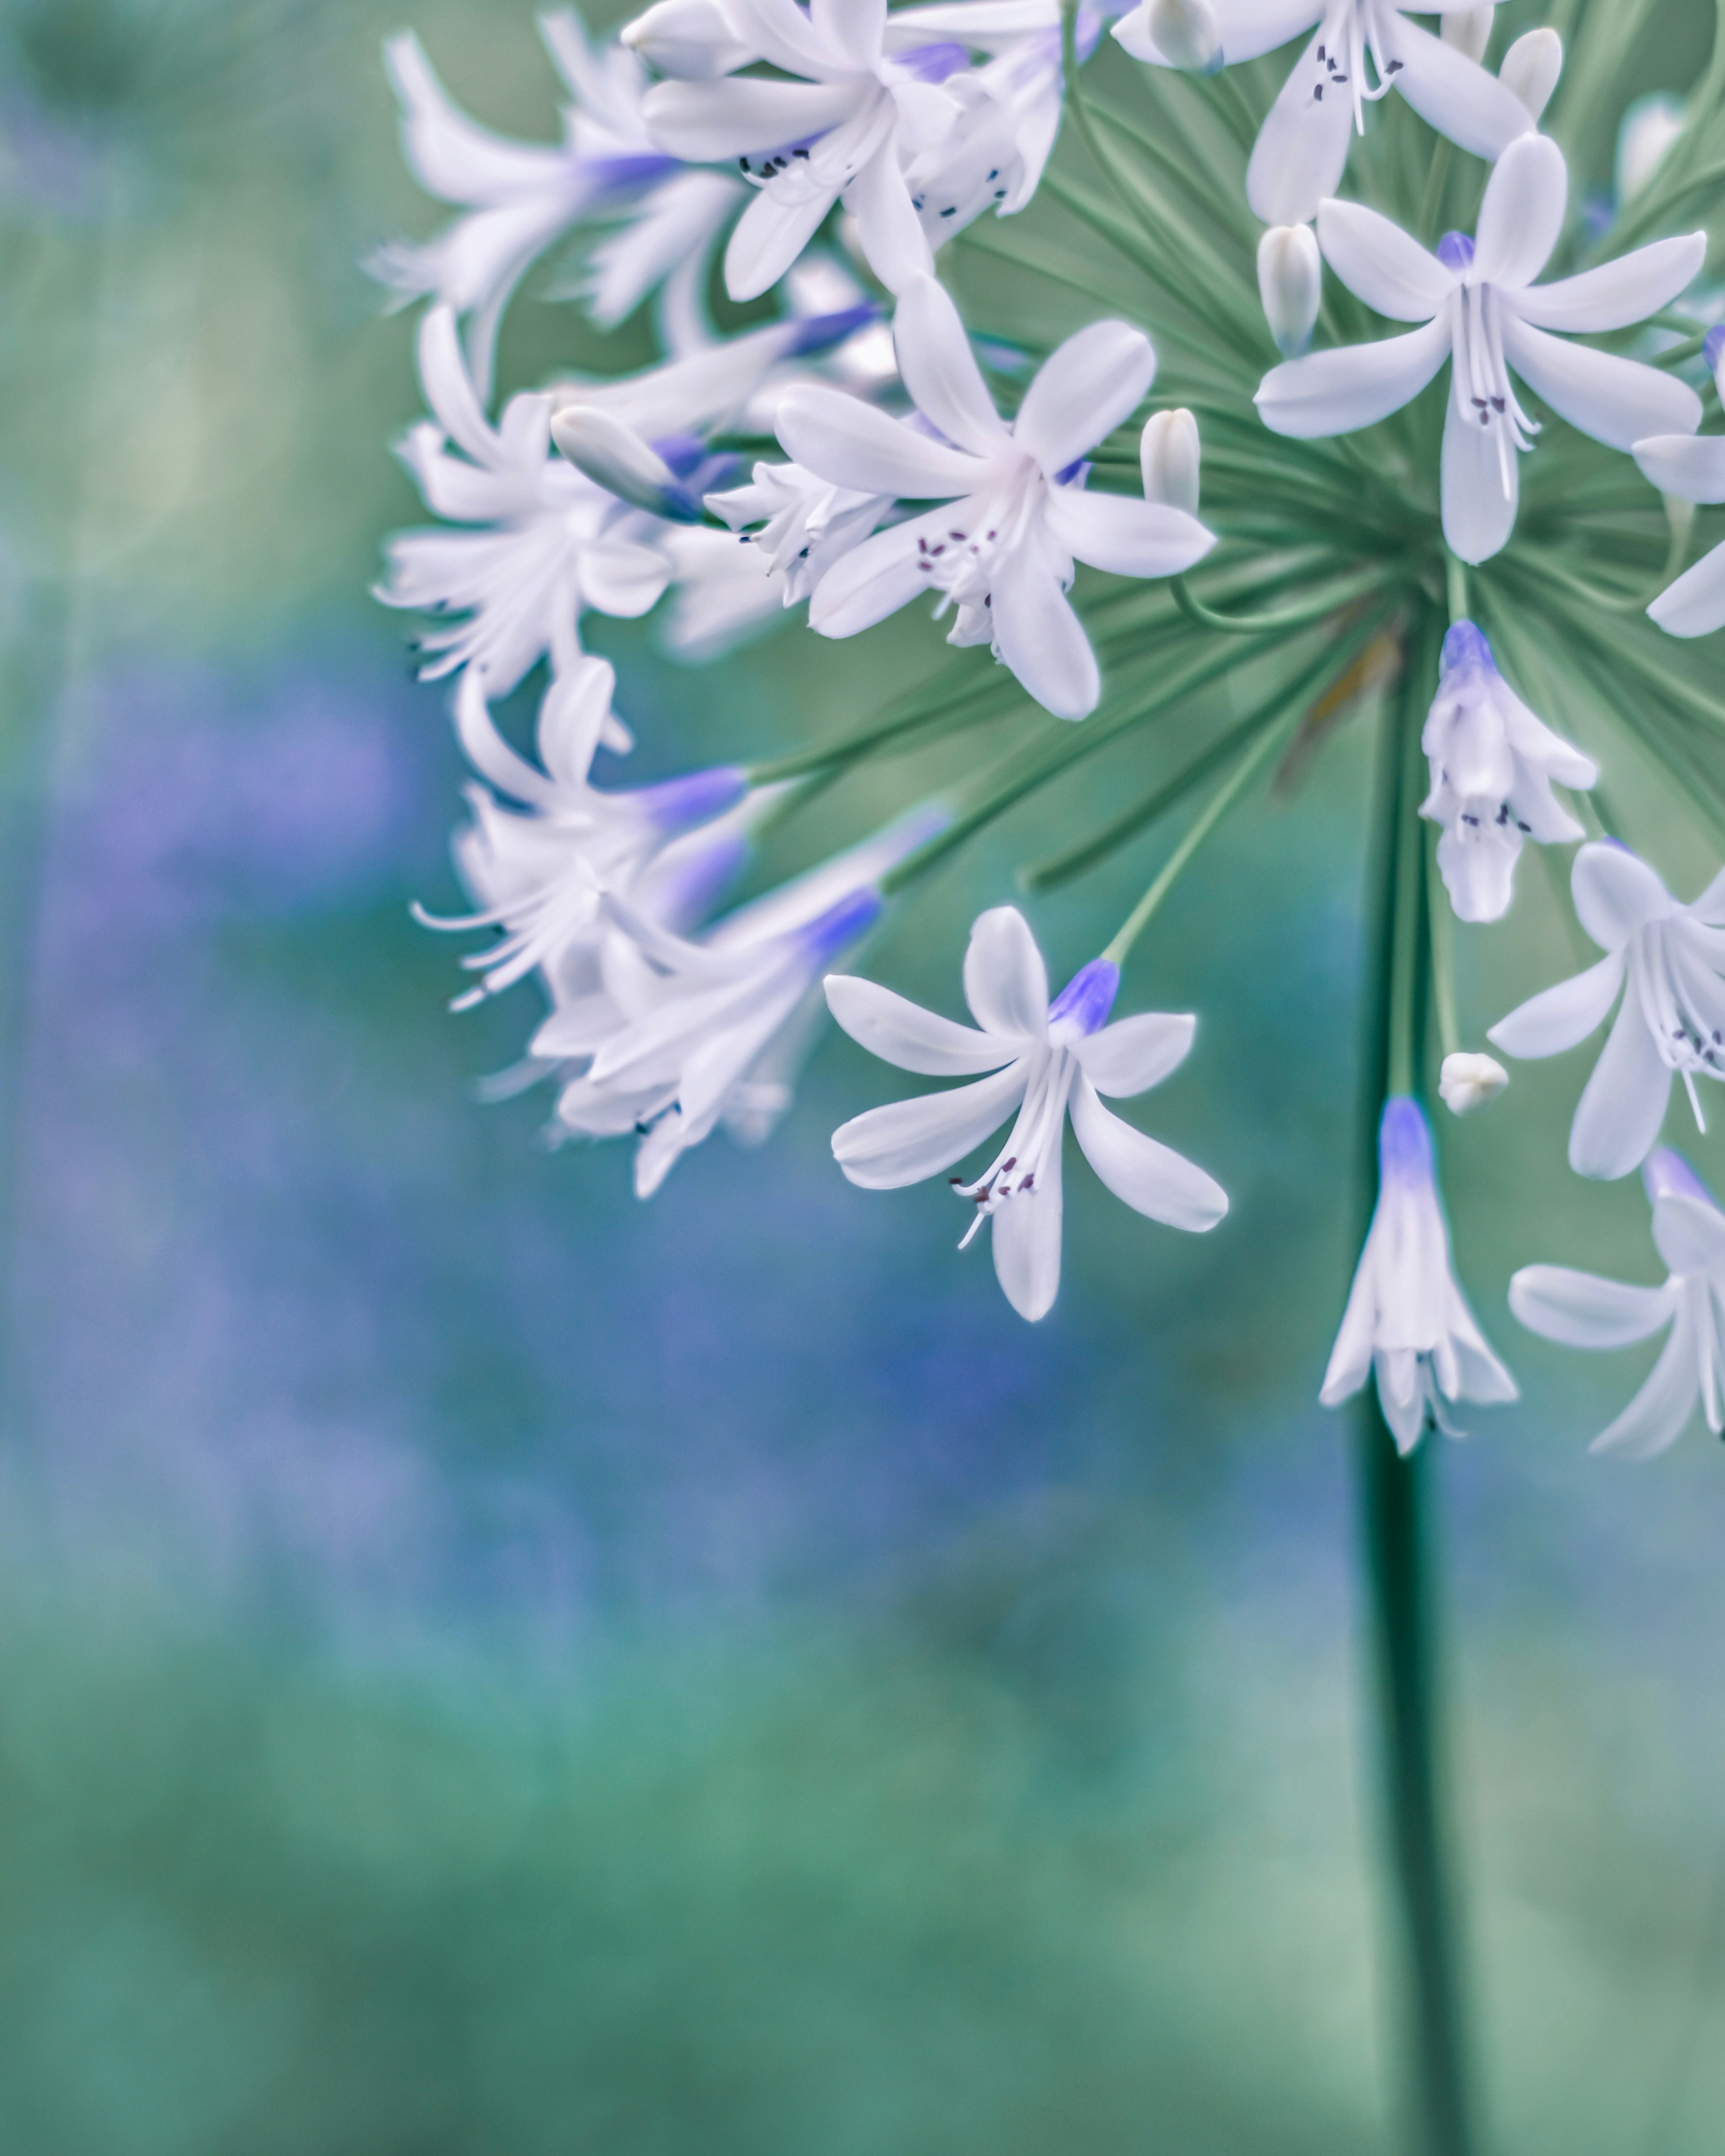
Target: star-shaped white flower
1016 513
1407 1319
1047 1059
1480 305
1303 146
1493 763
1581 1309
1672 1022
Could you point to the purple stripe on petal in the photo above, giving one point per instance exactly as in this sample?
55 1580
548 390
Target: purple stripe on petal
1088 996
933 63
632 172
819 331
678 805
827 933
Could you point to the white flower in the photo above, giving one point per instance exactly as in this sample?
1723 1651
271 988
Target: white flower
1580 1309
1693 468
682 1036
1017 512
1406 1317
1673 1014
1479 303
1492 764
1045 1058
1468 1081
1302 145
519 196
807 523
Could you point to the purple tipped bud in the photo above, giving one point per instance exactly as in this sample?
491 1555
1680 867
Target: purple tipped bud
829 932
1404 1142
1667 1174
1466 647
679 805
1455 252
1084 1003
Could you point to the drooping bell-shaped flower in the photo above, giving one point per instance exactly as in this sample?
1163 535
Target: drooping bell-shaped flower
1359 50
1581 1309
1691 468
1015 514
1481 308
1492 765
1047 1059
1407 1321
1672 1022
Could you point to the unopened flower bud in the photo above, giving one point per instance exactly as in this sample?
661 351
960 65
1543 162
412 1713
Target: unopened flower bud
690 39
1186 34
1650 127
1469 30
1531 68
1468 1081
1289 282
1168 453
597 443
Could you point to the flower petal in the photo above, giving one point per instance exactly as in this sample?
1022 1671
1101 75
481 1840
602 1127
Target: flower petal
888 230
940 370
1617 1121
908 1141
1695 605
1302 148
1135 1054
1617 401
1455 95
1481 483
1125 535
1086 388
1334 393
1617 292
1547 1024
1689 1234
1580 1309
1655 1419
899 1031
872 581
1152 1178
1037 634
710 123
1690 466
1380 265
1027 1241
1006 981
770 235
842 439
1522 215
1615 893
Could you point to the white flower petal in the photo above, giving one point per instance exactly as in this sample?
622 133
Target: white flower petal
1456 95
621 579
940 370
770 234
1027 1241
1481 484
1615 893
1617 292
1689 1234
1334 393
1547 1024
1617 401
1152 1178
1302 148
872 581
908 1141
1695 605
844 441
1006 981
1126 536
1580 1309
711 123
1522 215
1617 1121
1135 1054
1380 265
899 1031
1656 1417
1086 388
1037 634
888 230
1690 466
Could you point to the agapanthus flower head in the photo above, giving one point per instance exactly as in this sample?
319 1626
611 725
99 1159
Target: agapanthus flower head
1672 1022
1048 1059
1492 765
1581 1309
1407 1321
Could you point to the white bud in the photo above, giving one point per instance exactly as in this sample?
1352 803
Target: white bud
598 443
1467 1082
1290 283
1531 68
690 39
1168 454
1186 34
1469 30
1650 127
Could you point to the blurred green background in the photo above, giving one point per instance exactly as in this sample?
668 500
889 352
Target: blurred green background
488 1666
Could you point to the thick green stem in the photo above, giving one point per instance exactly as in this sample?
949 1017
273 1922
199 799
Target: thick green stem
1394 1495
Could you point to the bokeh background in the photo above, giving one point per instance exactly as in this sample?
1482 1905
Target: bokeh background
486 1665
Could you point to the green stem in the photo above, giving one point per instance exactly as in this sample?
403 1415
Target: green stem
1270 624
1396 1528
1455 584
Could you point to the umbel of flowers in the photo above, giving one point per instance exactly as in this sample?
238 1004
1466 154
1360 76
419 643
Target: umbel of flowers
1388 387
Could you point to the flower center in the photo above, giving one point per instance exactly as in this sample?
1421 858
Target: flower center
1036 1133
958 547
1482 387
1674 969
1353 31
